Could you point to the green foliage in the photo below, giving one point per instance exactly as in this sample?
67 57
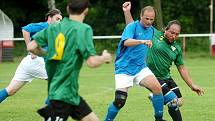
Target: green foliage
195 46
198 44
106 17
193 14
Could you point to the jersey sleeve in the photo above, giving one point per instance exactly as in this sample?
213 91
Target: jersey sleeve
128 32
35 27
28 28
41 38
179 59
85 45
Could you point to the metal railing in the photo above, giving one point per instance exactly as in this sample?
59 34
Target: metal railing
183 36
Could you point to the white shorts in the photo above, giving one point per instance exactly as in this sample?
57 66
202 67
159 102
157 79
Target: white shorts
30 68
123 80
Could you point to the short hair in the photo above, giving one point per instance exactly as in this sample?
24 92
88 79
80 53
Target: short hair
147 8
76 7
52 12
170 23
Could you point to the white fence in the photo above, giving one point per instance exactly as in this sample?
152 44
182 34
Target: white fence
183 36
117 37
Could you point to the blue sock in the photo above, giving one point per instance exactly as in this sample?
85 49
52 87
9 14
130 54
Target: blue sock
3 95
169 97
158 102
112 112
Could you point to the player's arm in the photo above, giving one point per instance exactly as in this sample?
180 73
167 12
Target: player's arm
186 77
96 60
35 49
26 36
126 7
134 42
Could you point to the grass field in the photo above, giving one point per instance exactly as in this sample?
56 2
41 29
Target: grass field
97 87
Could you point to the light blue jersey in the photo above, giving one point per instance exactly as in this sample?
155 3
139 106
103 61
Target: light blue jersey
33 28
131 60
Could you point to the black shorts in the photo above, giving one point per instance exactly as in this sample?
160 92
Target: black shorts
171 85
59 110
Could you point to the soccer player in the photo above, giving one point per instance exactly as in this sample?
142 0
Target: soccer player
130 66
164 52
69 43
31 66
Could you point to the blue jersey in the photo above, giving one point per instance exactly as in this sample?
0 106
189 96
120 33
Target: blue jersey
33 28
131 60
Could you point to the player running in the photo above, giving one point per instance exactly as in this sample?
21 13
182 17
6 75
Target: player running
31 66
69 44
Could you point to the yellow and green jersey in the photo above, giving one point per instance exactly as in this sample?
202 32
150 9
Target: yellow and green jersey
162 54
69 43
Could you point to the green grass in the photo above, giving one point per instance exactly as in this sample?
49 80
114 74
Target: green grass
97 87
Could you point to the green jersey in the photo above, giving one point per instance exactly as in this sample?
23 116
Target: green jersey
69 43
162 55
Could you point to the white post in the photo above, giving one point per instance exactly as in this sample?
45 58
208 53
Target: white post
211 29
211 17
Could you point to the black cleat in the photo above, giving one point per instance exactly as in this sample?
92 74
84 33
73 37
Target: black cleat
43 112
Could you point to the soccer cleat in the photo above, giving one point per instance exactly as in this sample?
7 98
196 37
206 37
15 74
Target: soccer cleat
43 111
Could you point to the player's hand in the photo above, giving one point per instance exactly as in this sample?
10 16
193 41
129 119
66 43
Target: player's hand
107 56
33 56
126 6
198 90
147 43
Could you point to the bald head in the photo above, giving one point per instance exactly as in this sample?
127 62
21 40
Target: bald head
147 16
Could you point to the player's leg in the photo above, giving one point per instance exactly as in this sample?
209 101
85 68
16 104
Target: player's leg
55 111
147 79
179 95
123 82
152 84
17 82
27 70
11 89
175 112
116 105
3 95
171 100
83 112
180 101
15 86
37 70
90 117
